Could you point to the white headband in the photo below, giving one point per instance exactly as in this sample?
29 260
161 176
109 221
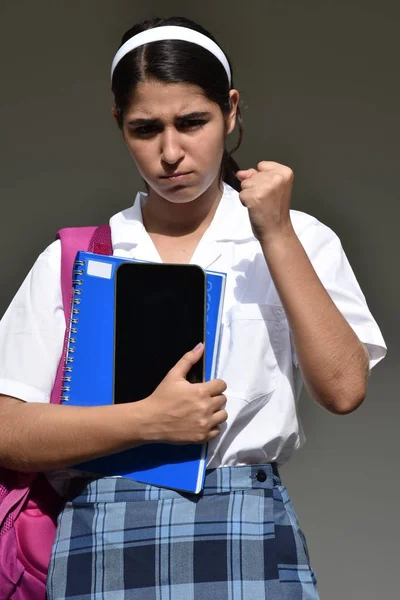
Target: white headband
172 32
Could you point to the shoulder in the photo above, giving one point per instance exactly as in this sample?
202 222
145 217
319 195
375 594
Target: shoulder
316 238
306 225
52 253
44 276
312 233
50 259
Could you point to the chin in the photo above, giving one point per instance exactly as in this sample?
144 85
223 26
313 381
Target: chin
180 194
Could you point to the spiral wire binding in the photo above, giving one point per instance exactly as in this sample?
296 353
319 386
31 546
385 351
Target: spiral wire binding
73 329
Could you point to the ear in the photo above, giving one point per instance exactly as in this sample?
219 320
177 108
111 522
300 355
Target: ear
114 113
234 97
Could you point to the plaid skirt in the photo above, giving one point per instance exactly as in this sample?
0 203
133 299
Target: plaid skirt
238 540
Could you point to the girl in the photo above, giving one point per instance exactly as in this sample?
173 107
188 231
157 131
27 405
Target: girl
293 311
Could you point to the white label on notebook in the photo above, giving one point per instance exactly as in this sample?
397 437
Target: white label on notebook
99 269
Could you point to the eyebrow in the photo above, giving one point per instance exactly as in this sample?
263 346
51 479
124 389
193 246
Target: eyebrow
188 117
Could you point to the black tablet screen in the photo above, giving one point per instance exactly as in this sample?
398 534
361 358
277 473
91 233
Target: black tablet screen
159 315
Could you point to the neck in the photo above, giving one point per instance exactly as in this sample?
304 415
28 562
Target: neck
166 218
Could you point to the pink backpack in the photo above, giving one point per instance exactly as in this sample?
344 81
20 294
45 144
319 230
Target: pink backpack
28 504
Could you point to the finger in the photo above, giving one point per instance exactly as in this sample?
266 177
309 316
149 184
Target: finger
249 183
218 402
213 434
246 197
245 174
270 165
215 387
275 167
218 418
183 366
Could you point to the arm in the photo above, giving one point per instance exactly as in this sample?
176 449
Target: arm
36 436
41 437
332 360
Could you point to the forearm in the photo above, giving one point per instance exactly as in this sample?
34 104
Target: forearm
42 437
332 360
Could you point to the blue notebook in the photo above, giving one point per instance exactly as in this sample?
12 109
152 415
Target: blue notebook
89 373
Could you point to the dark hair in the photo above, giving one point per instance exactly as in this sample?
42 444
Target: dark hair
175 61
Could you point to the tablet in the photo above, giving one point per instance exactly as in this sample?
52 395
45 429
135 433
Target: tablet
159 315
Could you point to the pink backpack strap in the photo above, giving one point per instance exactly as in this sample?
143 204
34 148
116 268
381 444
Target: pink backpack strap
73 239
91 239
18 580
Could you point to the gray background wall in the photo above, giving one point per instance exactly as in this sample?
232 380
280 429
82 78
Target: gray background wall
321 89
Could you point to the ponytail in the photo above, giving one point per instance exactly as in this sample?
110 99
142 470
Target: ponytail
229 166
229 169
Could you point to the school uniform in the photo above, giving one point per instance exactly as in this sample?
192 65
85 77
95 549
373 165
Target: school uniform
240 538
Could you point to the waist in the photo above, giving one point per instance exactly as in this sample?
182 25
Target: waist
217 481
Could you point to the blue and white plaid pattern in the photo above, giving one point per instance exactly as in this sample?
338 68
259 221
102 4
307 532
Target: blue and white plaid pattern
238 540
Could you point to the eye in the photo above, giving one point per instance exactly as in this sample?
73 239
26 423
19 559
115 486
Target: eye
146 130
192 123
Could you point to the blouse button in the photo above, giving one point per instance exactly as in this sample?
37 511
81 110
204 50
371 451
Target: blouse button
261 476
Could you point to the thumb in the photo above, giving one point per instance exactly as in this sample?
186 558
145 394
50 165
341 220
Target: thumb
245 174
183 366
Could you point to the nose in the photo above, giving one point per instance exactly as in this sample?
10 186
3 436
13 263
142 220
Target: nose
171 147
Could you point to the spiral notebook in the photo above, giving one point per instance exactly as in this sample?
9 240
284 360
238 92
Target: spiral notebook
89 373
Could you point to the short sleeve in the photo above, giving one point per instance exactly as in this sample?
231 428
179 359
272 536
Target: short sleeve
330 262
32 332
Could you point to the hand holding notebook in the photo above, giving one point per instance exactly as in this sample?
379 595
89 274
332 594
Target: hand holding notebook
185 412
122 345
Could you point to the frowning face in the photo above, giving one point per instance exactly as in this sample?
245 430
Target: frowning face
176 137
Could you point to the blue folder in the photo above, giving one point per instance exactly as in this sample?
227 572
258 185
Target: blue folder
89 374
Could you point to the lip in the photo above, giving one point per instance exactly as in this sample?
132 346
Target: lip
177 176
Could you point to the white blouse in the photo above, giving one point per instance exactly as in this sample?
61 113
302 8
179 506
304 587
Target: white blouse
256 359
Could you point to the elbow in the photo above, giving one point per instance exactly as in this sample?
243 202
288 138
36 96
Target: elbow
344 399
345 408
347 401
